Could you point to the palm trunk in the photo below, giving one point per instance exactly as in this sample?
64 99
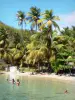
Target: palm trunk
38 66
49 66
49 47
22 40
50 32
36 24
22 26
25 25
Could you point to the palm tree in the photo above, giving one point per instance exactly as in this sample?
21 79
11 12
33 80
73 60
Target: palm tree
21 17
50 19
34 16
22 20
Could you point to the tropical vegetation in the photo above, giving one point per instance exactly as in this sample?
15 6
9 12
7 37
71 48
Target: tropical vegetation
41 48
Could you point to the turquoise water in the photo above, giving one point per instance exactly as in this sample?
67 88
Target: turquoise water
32 88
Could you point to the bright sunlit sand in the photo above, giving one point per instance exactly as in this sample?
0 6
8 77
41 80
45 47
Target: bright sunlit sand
52 76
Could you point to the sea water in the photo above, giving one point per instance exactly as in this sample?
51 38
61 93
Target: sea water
36 88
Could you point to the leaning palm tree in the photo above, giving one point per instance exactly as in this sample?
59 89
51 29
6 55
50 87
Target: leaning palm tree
21 17
34 16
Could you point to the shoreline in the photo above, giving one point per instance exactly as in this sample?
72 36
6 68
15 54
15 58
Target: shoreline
46 75
51 76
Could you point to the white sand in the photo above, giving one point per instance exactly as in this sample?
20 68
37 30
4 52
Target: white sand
52 76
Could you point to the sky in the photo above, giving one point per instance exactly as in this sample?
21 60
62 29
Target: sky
65 9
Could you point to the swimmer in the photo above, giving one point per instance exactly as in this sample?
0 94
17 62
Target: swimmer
66 91
13 81
18 82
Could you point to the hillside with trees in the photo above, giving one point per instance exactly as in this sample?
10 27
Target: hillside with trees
40 48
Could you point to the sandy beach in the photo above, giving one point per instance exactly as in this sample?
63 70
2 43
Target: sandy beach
53 76
45 75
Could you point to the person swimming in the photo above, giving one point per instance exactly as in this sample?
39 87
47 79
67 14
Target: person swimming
65 91
18 82
13 81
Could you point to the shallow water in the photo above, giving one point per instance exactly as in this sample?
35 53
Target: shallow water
32 88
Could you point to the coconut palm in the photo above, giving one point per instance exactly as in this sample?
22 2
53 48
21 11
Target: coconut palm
34 16
21 17
50 19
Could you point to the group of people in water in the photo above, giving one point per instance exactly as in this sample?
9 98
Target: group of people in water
14 82
18 83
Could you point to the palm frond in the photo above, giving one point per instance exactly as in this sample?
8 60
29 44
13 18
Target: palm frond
55 25
56 18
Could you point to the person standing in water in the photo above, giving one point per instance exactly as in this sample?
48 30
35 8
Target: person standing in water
18 82
13 81
66 91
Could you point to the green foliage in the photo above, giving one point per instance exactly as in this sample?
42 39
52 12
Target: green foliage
30 48
21 17
34 16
